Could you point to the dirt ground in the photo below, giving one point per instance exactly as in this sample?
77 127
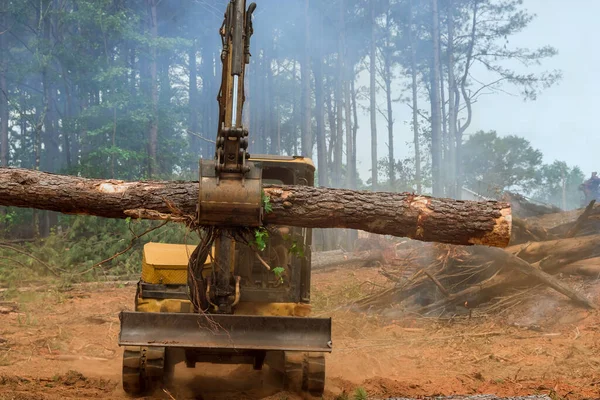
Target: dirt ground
63 345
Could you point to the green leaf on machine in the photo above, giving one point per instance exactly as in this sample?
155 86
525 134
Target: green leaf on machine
261 235
266 202
297 250
279 271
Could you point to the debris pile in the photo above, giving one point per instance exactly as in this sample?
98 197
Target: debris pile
546 247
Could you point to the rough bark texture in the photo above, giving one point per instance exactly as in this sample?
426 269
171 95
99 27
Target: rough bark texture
397 214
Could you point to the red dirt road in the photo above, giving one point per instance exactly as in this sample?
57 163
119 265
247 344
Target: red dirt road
63 345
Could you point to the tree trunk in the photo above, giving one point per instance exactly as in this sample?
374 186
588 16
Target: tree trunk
339 105
463 90
452 112
554 254
390 122
268 130
319 111
193 104
278 112
4 112
153 131
68 121
350 169
587 267
307 139
415 102
354 131
436 146
444 133
372 97
398 214
330 104
207 101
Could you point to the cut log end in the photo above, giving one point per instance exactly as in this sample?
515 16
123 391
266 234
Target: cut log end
500 234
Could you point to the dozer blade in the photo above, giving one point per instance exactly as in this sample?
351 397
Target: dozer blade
229 332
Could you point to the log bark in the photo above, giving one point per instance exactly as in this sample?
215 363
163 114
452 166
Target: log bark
336 258
397 214
554 254
588 267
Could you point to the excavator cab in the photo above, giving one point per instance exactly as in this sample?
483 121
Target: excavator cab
268 324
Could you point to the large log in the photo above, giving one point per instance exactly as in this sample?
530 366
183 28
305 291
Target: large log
587 267
406 215
554 254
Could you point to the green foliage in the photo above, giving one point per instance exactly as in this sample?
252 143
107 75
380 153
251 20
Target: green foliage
266 201
89 240
261 236
88 78
279 272
360 394
294 247
297 249
492 164
558 179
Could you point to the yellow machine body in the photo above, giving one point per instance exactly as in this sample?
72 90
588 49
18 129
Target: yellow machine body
167 264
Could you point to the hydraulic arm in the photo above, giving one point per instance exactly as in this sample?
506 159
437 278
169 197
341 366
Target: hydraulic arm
232 139
230 185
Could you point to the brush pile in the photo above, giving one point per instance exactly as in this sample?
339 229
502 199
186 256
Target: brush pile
547 245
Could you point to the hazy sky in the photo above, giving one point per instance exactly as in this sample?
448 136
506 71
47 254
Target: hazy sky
562 121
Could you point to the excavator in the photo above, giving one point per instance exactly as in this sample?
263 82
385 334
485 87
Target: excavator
241 296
